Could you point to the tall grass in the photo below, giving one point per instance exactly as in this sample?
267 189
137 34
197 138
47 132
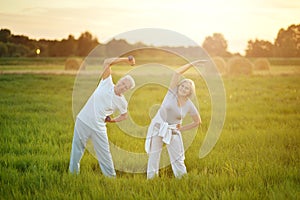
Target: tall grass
256 157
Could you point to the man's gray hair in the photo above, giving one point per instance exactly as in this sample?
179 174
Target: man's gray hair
131 80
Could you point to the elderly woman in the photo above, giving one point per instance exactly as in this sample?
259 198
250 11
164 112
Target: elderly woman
166 126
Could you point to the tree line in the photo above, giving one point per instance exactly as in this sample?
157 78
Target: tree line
287 44
19 45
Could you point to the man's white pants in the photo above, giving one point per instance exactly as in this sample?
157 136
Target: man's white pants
100 141
176 153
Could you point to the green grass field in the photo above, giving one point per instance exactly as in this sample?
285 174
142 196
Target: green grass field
256 157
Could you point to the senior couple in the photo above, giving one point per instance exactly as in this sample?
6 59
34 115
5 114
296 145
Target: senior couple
165 127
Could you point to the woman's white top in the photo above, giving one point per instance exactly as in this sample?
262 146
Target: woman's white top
167 117
171 112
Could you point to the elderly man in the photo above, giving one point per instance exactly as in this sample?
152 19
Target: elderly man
91 120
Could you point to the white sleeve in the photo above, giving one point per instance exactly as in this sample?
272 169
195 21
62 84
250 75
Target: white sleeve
106 82
192 109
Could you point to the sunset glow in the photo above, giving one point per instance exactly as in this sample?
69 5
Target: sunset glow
238 21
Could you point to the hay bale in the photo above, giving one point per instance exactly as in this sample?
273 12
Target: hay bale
261 64
74 64
240 66
220 64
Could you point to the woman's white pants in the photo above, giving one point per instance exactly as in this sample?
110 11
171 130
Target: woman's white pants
176 153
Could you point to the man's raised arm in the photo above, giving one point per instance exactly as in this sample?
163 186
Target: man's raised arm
111 61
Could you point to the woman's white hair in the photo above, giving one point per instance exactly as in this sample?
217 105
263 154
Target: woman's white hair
130 79
191 82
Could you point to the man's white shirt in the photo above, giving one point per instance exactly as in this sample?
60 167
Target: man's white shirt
103 102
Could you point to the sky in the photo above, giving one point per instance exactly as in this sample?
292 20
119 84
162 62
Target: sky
237 20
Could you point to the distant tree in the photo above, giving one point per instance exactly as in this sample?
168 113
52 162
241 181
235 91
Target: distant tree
4 35
67 47
23 40
259 48
287 43
117 46
3 49
71 45
53 48
17 50
86 43
19 39
216 45
43 45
